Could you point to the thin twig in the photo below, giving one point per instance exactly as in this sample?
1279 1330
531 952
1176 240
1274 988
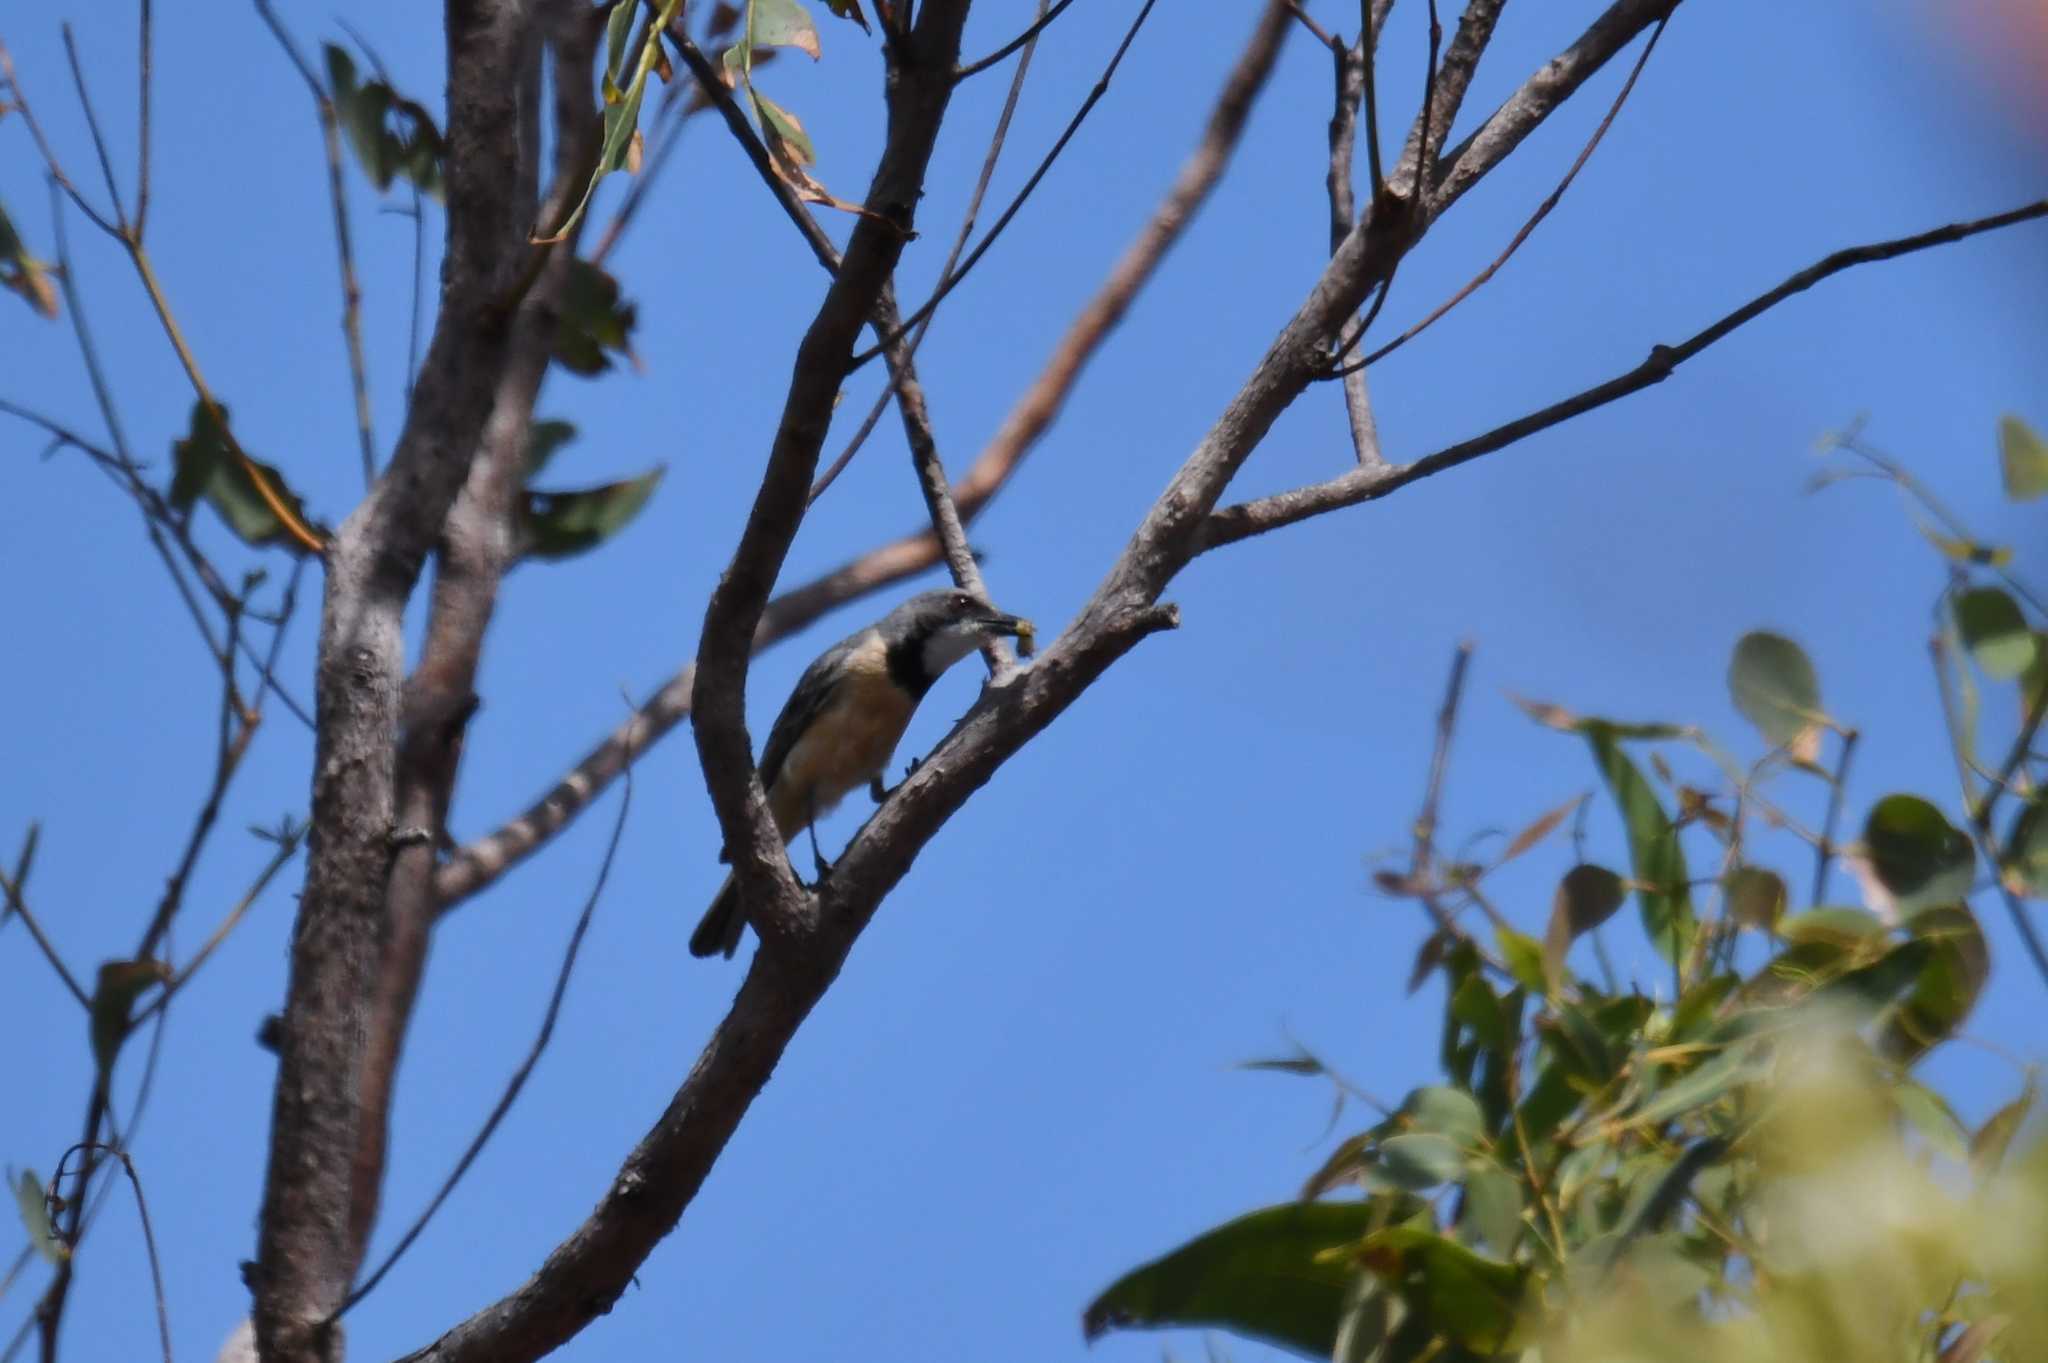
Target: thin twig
49 155
1025 39
520 1075
145 78
952 280
1542 211
351 291
287 849
1228 525
897 365
99 141
19 905
1825 851
156 1271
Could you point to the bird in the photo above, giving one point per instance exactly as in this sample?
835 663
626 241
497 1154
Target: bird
840 725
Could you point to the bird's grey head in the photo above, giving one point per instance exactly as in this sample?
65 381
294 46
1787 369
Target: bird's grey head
933 630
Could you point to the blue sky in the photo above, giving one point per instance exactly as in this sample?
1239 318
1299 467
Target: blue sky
1023 1082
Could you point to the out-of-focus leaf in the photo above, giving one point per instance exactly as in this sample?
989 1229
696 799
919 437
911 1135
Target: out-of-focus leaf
1658 859
1929 1114
1994 631
1737 1064
783 23
1491 1212
543 440
849 9
1564 721
205 466
1538 831
1949 983
367 111
113 1001
1755 896
1967 551
1917 856
22 273
1350 1162
558 525
1444 1111
593 320
1838 925
1473 1299
783 126
1419 1160
1587 897
1270 1275
1774 686
2024 859
35 1217
621 108
1700 1005
617 29
1994 1138
1303 1064
2024 458
1427 957
1523 956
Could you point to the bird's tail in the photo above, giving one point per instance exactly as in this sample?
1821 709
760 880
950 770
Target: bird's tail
718 932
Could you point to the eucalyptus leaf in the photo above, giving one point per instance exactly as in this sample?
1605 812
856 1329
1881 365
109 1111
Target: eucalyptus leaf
1775 687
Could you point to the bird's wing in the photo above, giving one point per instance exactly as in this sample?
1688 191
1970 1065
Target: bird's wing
813 693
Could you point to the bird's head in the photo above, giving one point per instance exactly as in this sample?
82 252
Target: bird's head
939 628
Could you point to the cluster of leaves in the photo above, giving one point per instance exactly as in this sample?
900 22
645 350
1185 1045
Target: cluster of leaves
1737 1162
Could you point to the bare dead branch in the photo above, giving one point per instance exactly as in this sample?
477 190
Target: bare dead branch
1542 211
1242 521
92 123
1023 40
1524 111
145 73
482 862
156 1268
1353 69
1003 219
1445 93
885 325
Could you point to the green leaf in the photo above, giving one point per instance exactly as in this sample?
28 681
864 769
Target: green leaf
1929 1114
205 466
783 23
543 440
1418 1160
1474 1300
2024 862
1948 985
2024 458
1995 632
35 1216
1523 956
617 29
1587 897
1994 1138
559 525
1917 856
621 114
1654 852
1491 1212
1837 925
1447 1112
1774 686
1754 896
113 1000
1270 1275
593 319
22 273
1737 1064
781 123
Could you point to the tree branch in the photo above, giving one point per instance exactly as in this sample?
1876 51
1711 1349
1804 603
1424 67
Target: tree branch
1256 517
308 1241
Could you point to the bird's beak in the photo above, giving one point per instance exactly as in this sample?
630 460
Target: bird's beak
1016 626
